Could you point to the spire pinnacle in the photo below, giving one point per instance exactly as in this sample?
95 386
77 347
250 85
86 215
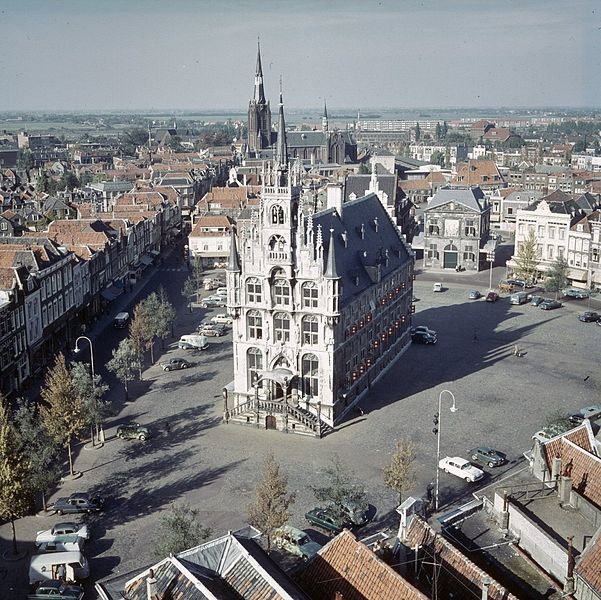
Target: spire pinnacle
331 271
281 154
259 95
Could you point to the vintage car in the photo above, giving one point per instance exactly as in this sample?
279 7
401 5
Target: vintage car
325 518
133 431
61 532
461 468
56 590
79 502
295 541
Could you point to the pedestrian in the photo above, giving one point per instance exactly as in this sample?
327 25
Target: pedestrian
61 573
167 428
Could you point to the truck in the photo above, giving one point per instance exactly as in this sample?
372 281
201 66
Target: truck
193 341
121 320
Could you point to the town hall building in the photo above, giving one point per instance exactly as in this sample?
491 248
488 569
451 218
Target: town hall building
321 303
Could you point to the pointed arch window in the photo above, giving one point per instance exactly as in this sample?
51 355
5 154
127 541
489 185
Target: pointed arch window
310 328
281 327
310 375
254 363
310 295
254 325
277 215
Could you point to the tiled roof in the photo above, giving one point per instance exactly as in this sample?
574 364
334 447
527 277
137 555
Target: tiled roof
350 568
589 566
584 468
478 172
415 184
458 575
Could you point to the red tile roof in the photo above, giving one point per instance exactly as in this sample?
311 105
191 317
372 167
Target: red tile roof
350 568
589 566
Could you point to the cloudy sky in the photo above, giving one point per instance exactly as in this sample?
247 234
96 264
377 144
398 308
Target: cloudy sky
200 54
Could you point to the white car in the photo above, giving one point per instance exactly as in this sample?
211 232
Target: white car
62 532
461 468
223 319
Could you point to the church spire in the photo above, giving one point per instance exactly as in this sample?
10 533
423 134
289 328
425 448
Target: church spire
259 95
281 152
324 119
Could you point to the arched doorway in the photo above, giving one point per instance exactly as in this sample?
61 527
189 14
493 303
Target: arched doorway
270 422
450 257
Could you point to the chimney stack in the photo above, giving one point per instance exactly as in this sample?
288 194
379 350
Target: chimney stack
334 197
151 586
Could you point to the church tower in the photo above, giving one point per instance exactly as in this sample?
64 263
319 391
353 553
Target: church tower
324 119
259 113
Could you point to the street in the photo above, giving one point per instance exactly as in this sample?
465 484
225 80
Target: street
193 457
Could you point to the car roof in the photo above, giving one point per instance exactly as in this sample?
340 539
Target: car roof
65 524
458 460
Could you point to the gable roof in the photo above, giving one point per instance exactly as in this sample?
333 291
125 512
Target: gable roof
368 243
588 568
458 573
346 566
359 185
472 198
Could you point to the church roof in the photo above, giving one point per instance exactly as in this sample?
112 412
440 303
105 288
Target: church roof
368 245
300 139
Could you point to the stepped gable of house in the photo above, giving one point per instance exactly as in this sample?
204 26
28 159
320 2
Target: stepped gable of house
348 569
459 576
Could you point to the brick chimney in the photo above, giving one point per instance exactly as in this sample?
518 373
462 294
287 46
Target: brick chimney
151 586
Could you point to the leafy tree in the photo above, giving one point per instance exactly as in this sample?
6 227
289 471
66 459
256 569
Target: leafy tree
25 161
16 494
340 489
85 178
132 138
68 181
167 315
418 132
557 276
41 182
399 474
141 332
64 414
124 362
189 290
272 500
152 308
91 392
445 129
197 272
437 158
438 131
41 450
179 530
527 259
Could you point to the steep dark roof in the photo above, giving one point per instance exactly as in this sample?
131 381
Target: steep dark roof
359 184
368 247
469 197
299 139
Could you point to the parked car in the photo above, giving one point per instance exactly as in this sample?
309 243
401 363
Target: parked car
492 296
211 303
487 456
536 300
550 304
193 341
295 541
422 337
56 590
79 502
325 518
589 316
575 293
357 512
133 431
423 328
176 363
588 412
474 295
461 468
62 531
212 330
437 287
222 319
517 282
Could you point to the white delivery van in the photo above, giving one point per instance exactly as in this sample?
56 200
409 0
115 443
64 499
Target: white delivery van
518 298
193 342
49 566
437 287
121 320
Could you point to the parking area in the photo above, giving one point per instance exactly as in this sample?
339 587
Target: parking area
192 456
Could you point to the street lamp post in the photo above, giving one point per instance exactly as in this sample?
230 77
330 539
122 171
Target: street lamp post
436 431
93 372
491 258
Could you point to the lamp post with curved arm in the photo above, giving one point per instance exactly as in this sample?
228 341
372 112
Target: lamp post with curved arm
93 372
436 430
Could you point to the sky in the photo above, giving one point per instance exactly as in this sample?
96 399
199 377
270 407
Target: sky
201 54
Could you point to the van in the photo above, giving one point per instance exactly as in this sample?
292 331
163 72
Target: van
437 287
193 342
47 566
121 320
518 298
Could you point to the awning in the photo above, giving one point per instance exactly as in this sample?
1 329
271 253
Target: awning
280 375
146 260
116 291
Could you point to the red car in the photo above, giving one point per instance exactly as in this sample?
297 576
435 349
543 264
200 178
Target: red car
492 297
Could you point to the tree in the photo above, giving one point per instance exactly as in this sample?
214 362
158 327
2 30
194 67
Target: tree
140 332
167 315
152 309
438 131
90 393
341 489
16 494
557 276
418 132
41 450
68 181
272 500
437 158
25 161
179 530
399 474
527 259
124 362
41 182
188 290
64 414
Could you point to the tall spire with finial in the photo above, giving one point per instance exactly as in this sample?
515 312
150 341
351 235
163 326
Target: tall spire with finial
281 151
324 119
259 95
